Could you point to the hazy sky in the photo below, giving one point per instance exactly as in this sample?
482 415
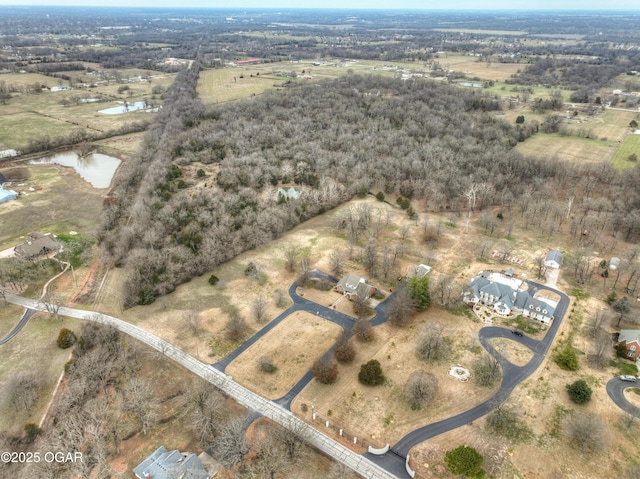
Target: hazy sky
368 4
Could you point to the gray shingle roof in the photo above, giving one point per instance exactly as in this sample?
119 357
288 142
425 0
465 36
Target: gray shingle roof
164 464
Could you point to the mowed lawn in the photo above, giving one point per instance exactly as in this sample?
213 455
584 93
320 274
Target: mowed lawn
630 146
31 116
62 202
612 125
225 84
567 148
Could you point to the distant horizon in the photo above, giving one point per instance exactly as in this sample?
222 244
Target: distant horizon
573 6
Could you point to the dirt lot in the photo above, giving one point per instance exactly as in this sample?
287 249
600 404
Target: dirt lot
293 346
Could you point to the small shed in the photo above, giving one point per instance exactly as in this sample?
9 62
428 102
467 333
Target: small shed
553 259
614 263
7 195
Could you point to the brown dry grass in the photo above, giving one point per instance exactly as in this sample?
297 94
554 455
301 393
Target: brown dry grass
293 346
512 351
380 414
567 148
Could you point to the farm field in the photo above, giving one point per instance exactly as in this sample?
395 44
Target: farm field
630 146
29 116
567 148
61 202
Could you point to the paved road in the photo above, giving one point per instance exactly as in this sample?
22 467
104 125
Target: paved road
21 324
615 390
299 304
512 375
247 398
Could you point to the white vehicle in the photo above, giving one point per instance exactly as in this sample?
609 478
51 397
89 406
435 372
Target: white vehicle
628 378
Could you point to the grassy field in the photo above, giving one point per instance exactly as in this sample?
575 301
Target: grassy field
293 346
225 84
612 125
62 202
18 355
630 145
567 148
30 116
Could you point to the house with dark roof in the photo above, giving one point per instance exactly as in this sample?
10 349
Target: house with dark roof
505 299
631 340
354 285
164 464
38 245
553 259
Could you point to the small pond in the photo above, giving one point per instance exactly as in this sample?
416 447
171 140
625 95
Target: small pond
124 108
473 84
97 169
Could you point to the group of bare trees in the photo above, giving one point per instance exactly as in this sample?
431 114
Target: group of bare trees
318 137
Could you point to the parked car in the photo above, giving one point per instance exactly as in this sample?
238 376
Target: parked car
628 378
517 332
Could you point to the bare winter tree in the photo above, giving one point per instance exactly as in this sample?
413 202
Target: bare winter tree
231 447
582 265
304 271
280 298
432 344
421 389
587 433
601 348
486 370
290 255
204 404
140 401
266 365
364 331
340 471
325 369
236 326
294 440
336 261
360 306
446 291
401 308
270 460
193 321
344 350
259 309
21 391
369 256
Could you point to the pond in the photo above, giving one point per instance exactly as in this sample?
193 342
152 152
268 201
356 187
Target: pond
124 108
473 84
97 169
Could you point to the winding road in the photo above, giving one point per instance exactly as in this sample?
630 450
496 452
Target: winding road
615 390
388 465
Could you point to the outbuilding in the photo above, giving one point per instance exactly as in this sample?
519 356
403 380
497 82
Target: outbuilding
7 195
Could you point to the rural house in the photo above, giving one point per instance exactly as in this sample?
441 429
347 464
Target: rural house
420 271
501 292
163 464
37 246
354 285
631 340
553 259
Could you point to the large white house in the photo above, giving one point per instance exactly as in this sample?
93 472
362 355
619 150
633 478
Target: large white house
505 296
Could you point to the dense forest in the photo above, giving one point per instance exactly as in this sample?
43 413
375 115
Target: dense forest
422 140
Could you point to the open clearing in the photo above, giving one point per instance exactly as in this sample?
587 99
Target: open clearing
567 148
61 202
630 146
293 346
28 116
473 68
18 355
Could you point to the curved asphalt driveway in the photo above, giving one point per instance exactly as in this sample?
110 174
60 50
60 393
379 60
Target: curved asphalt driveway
615 390
21 324
512 375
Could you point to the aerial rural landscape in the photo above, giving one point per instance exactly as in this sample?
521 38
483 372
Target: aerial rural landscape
319 243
